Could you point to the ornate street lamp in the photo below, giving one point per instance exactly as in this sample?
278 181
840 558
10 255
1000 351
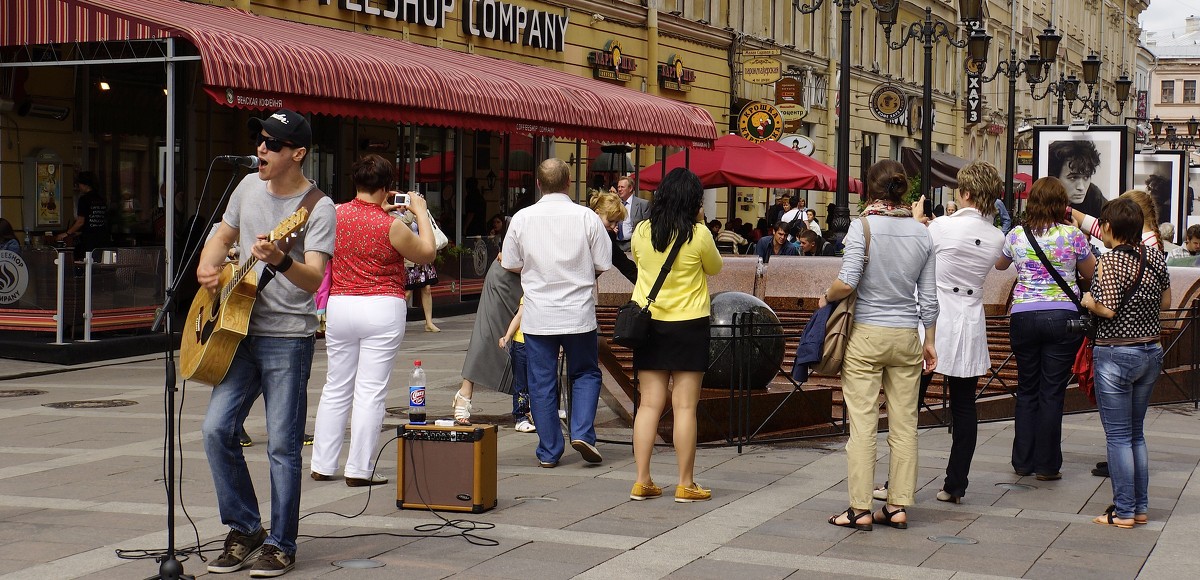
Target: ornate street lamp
1032 67
1092 102
928 32
970 12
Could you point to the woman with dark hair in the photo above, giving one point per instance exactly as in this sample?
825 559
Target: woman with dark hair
1149 237
8 237
365 319
674 358
497 226
1041 342
1074 163
1132 287
896 294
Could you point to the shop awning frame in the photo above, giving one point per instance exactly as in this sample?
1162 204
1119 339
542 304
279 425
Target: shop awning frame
258 62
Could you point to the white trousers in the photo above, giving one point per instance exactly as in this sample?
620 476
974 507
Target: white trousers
362 335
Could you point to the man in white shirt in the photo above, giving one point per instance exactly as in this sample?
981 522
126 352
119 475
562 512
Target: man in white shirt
636 210
811 220
559 247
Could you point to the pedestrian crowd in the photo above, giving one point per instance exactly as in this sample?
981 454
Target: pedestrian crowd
918 282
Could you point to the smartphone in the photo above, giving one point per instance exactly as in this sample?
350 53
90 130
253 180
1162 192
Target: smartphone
927 207
400 199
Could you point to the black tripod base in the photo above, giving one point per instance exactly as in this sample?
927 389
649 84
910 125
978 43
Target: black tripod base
171 569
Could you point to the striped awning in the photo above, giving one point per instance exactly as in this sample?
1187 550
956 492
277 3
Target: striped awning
257 62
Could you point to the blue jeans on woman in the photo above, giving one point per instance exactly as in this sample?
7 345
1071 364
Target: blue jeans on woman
1045 351
520 384
1125 377
278 369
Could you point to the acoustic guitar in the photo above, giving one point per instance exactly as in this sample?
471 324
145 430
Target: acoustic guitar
218 321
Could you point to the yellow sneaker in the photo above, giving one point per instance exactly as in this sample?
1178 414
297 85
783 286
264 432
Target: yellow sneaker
690 494
643 491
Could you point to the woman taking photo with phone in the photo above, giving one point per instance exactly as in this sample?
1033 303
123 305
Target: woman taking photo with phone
365 319
1131 288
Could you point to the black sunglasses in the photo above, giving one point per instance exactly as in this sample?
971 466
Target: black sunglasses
273 145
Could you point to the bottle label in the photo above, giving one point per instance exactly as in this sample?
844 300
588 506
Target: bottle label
416 396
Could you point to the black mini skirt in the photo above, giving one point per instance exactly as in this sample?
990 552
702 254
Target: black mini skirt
675 346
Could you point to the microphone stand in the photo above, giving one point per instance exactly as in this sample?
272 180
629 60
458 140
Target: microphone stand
169 567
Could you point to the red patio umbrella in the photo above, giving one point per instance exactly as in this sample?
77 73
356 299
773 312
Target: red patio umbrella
826 175
1022 183
734 161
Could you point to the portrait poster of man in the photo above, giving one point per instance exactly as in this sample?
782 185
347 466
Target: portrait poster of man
1095 165
1163 174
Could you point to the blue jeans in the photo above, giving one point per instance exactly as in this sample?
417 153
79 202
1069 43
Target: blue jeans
584 369
1125 377
1045 351
520 384
278 369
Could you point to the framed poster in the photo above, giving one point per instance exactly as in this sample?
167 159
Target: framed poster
1163 174
1095 165
44 196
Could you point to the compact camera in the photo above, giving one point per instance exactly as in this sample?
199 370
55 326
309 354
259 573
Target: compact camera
400 199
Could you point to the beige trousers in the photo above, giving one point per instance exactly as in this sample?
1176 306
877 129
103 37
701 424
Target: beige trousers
888 358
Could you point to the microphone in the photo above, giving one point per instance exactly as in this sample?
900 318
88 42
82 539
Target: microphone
250 161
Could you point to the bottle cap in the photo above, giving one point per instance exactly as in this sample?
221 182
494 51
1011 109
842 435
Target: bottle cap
416 363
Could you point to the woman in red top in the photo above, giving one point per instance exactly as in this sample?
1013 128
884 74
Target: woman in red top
365 319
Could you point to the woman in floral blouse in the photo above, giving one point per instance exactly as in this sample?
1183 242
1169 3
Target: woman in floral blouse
1041 342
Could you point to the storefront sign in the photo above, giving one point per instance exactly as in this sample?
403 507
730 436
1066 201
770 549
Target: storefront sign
974 91
764 52
787 90
792 115
1142 99
995 129
674 76
610 64
14 277
424 12
799 143
762 71
514 24
887 103
760 121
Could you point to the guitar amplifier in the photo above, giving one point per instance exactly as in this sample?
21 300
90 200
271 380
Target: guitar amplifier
446 468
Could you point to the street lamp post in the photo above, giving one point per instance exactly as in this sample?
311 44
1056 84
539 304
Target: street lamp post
1012 68
928 32
1065 88
1174 141
1092 102
969 11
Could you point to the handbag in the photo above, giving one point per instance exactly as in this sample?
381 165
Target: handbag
440 241
632 327
1084 368
837 329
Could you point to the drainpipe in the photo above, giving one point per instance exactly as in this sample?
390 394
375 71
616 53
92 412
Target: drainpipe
652 48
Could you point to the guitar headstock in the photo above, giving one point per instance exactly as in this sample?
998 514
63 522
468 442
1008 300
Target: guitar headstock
289 226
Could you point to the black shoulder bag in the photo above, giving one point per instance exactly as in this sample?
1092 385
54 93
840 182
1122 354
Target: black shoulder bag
632 326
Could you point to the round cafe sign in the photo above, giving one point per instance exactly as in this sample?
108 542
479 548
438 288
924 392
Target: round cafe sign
887 103
14 277
759 122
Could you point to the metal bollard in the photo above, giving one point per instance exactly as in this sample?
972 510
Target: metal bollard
87 297
59 315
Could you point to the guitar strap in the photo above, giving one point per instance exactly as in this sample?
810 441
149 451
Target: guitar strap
313 196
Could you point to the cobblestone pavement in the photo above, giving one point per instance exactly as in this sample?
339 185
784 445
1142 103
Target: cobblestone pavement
80 481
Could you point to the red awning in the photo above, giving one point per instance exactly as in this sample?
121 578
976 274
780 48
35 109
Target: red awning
826 175
257 62
734 161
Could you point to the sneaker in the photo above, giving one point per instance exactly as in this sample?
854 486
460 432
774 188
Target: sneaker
524 426
308 439
644 491
690 494
240 550
244 438
880 493
587 450
271 562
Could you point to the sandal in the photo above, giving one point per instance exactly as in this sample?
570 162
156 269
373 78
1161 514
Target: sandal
853 520
1138 519
1109 518
883 516
462 409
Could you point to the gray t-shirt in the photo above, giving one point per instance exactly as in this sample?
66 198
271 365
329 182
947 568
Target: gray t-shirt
281 309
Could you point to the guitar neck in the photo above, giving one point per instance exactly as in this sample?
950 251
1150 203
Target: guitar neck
237 277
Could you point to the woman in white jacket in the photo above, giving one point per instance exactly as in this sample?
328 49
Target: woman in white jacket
966 245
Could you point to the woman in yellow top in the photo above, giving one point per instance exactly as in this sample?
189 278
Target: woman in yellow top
675 357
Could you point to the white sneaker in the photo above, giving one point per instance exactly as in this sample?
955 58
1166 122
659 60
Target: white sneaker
562 413
524 426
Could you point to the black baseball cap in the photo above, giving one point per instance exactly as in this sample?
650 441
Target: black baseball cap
285 125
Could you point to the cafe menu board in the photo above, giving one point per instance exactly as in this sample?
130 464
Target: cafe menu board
44 174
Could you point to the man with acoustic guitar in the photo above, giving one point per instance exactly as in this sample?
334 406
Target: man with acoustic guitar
275 357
